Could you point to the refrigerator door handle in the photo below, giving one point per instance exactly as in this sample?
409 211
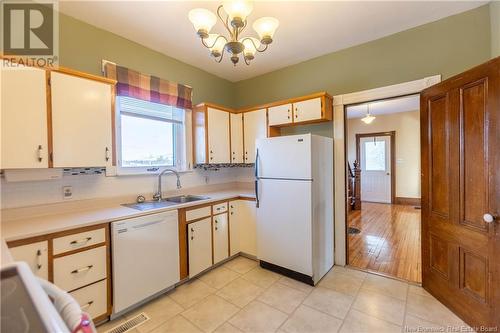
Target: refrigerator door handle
257 178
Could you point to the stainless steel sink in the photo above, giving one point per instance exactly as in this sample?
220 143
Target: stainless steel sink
186 198
148 205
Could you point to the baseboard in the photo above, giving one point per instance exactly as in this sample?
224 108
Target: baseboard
407 201
287 272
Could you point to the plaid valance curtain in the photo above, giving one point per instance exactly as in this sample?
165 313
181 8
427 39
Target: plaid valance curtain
147 87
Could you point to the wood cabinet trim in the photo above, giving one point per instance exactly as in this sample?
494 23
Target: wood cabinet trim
69 71
286 101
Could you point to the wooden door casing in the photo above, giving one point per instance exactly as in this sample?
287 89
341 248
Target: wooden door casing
460 182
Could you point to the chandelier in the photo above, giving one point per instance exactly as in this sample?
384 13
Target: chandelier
368 118
235 22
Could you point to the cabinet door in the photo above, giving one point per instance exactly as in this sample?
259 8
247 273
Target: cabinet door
307 110
35 255
221 237
24 118
199 246
246 217
254 123
218 136
236 138
234 227
81 121
279 115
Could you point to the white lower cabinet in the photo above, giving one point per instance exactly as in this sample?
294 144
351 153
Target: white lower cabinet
199 246
35 255
93 298
221 237
80 269
242 226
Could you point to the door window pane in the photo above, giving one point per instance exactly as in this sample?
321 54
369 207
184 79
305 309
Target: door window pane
375 156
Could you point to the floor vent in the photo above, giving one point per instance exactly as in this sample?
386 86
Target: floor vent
353 231
130 324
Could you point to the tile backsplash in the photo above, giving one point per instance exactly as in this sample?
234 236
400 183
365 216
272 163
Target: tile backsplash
20 194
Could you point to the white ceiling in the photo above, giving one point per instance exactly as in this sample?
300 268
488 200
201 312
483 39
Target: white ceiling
307 29
388 106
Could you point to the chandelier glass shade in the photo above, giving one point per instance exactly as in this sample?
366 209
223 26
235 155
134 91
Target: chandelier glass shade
235 22
368 118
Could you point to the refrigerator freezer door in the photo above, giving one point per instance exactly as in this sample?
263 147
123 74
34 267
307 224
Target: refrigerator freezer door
286 157
284 234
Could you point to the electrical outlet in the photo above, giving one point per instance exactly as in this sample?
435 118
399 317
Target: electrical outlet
67 192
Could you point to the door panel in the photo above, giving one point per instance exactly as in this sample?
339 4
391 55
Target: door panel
218 136
460 182
221 237
254 127
375 153
287 157
307 110
199 246
236 138
281 114
77 105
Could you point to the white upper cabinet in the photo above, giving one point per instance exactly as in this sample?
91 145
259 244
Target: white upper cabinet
218 136
255 127
236 138
308 110
24 118
81 121
280 115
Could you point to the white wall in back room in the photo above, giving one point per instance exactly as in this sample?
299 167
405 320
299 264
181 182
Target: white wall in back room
21 194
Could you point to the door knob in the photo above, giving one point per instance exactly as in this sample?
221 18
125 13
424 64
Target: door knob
488 218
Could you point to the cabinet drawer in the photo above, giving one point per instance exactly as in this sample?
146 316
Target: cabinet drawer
220 208
77 241
80 269
93 299
198 213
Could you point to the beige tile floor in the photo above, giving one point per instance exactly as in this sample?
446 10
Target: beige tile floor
239 296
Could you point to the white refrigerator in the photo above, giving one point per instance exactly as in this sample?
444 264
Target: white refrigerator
294 192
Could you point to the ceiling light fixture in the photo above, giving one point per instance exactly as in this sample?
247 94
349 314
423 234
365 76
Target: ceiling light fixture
235 22
368 118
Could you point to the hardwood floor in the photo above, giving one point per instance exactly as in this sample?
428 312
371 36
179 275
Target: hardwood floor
389 241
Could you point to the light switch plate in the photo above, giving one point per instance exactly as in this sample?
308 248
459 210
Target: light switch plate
67 192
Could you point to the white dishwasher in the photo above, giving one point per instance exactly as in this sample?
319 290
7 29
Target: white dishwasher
145 258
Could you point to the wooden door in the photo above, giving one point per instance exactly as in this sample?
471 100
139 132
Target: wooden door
307 110
24 118
254 123
460 134
221 237
375 157
81 121
218 136
236 138
279 115
199 246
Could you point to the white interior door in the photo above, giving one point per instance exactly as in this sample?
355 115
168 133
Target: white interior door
375 156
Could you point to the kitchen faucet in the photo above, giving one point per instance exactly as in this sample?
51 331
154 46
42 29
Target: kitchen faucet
158 195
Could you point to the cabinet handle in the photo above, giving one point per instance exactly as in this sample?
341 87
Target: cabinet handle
39 153
81 241
192 233
231 213
106 154
232 206
38 259
83 269
86 305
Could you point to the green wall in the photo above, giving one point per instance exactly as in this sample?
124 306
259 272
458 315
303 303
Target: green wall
82 46
448 46
495 28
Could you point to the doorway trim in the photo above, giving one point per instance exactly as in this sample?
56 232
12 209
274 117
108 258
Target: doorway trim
392 135
339 142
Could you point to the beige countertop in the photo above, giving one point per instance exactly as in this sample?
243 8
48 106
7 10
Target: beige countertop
24 223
